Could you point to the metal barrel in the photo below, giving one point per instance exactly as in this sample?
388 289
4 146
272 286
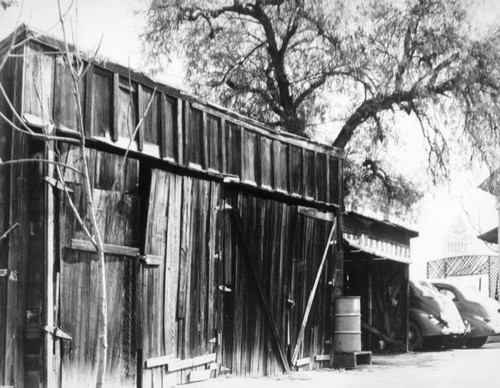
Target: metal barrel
347 337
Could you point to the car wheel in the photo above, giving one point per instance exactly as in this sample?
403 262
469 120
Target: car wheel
476 342
415 339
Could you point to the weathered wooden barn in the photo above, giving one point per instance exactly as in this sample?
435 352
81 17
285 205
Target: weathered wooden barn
214 226
376 268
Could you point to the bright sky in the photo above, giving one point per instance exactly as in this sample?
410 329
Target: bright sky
112 20
119 26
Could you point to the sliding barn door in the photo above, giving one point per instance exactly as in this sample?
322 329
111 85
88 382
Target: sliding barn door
178 280
271 260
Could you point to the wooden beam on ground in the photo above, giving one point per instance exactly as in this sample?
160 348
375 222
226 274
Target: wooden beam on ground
310 301
174 364
199 375
260 289
383 336
302 362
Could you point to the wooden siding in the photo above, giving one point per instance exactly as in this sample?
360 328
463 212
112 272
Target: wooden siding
179 130
116 204
14 209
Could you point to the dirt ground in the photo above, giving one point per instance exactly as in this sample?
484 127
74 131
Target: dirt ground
441 369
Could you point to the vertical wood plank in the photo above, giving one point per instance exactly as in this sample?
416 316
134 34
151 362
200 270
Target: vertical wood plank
164 126
138 326
223 145
180 131
11 80
212 246
185 132
102 119
327 180
65 101
141 106
266 162
49 239
115 107
39 83
184 267
14 360
89 101
172 263
204 140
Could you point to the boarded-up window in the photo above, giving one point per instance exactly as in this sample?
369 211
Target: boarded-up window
214 143
65 104
233 143
309 174
127 109
321 176
249 153
296 176
152 119
101 103
194 140
281 166
38 82
169 127
266 162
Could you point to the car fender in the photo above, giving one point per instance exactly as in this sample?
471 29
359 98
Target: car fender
421 318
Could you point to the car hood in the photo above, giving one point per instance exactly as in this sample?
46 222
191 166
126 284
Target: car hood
430 300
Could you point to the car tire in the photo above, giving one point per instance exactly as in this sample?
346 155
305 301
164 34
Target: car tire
476 342
415 338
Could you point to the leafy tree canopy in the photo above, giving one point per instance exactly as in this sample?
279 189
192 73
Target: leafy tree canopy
6 3
297 63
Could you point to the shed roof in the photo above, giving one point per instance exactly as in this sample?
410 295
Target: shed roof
378 238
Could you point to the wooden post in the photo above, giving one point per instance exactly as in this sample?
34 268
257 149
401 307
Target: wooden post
48 289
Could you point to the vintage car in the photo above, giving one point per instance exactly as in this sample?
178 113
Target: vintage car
433 317
481 312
